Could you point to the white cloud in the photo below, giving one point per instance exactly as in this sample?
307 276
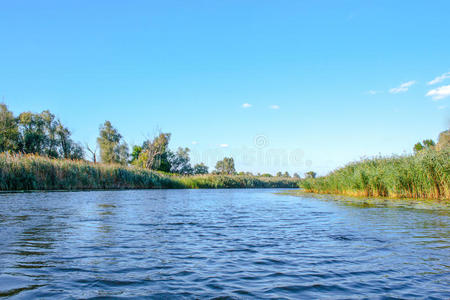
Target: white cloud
439 78
439 93
372 92
224 145
442 107
274 107
246 105
194 142
404 87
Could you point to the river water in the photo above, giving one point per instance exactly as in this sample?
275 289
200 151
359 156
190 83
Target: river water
227 244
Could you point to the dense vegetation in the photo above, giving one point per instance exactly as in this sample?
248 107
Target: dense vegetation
423 175
32 172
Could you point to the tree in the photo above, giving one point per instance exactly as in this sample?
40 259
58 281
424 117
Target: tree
444 140
50 126
112 148
32 134
154 153
225 166
296 176
9 130
310 174
286 174
180 162
135 154
200 169
418 147
68 149
426 144
279 174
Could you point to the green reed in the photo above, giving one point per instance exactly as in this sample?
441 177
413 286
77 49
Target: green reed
424 175
31 172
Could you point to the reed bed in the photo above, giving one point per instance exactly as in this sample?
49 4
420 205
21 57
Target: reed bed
20 172
425 175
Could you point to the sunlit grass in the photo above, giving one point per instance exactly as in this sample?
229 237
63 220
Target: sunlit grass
425 175
30 172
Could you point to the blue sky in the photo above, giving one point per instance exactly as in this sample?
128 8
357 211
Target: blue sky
326 82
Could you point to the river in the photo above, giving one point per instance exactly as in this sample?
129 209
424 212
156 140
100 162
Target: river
227 244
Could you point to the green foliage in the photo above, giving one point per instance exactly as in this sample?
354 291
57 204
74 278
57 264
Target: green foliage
200 169
38 134
418 147
32 172
154 154
225 166
426 144
112 148
296 176
424 175
9 130
180 162
137 150
279 174
310 174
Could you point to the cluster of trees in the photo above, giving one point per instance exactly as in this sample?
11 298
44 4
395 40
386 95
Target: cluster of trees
153 154
41 134
44 134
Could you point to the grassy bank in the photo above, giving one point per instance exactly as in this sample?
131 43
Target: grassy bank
30 172
424 175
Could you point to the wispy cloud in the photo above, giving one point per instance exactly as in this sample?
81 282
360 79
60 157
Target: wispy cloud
404 87
274 107
224 145
439 93
194 142
439 78
442 107
372 92
246 105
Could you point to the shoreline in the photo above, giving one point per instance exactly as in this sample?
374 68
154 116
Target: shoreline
363 201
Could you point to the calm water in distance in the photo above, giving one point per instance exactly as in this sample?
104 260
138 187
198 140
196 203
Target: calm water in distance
228 244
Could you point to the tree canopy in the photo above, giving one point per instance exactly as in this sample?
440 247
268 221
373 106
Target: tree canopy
225 166
112 148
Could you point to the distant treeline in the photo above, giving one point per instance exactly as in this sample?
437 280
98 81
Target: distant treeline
44 135
26 172
426 174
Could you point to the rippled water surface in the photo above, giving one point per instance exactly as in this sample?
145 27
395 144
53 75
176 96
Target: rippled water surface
175 244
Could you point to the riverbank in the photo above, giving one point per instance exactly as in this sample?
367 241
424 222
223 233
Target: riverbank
425 175
37 173
364 202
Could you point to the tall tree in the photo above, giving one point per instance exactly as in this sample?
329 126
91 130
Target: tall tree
154 154
67 147
33 138
112 148
226 166
9 130
180 162
50 127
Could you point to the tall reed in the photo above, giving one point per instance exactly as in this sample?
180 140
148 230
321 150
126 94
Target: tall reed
424 175
20 172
